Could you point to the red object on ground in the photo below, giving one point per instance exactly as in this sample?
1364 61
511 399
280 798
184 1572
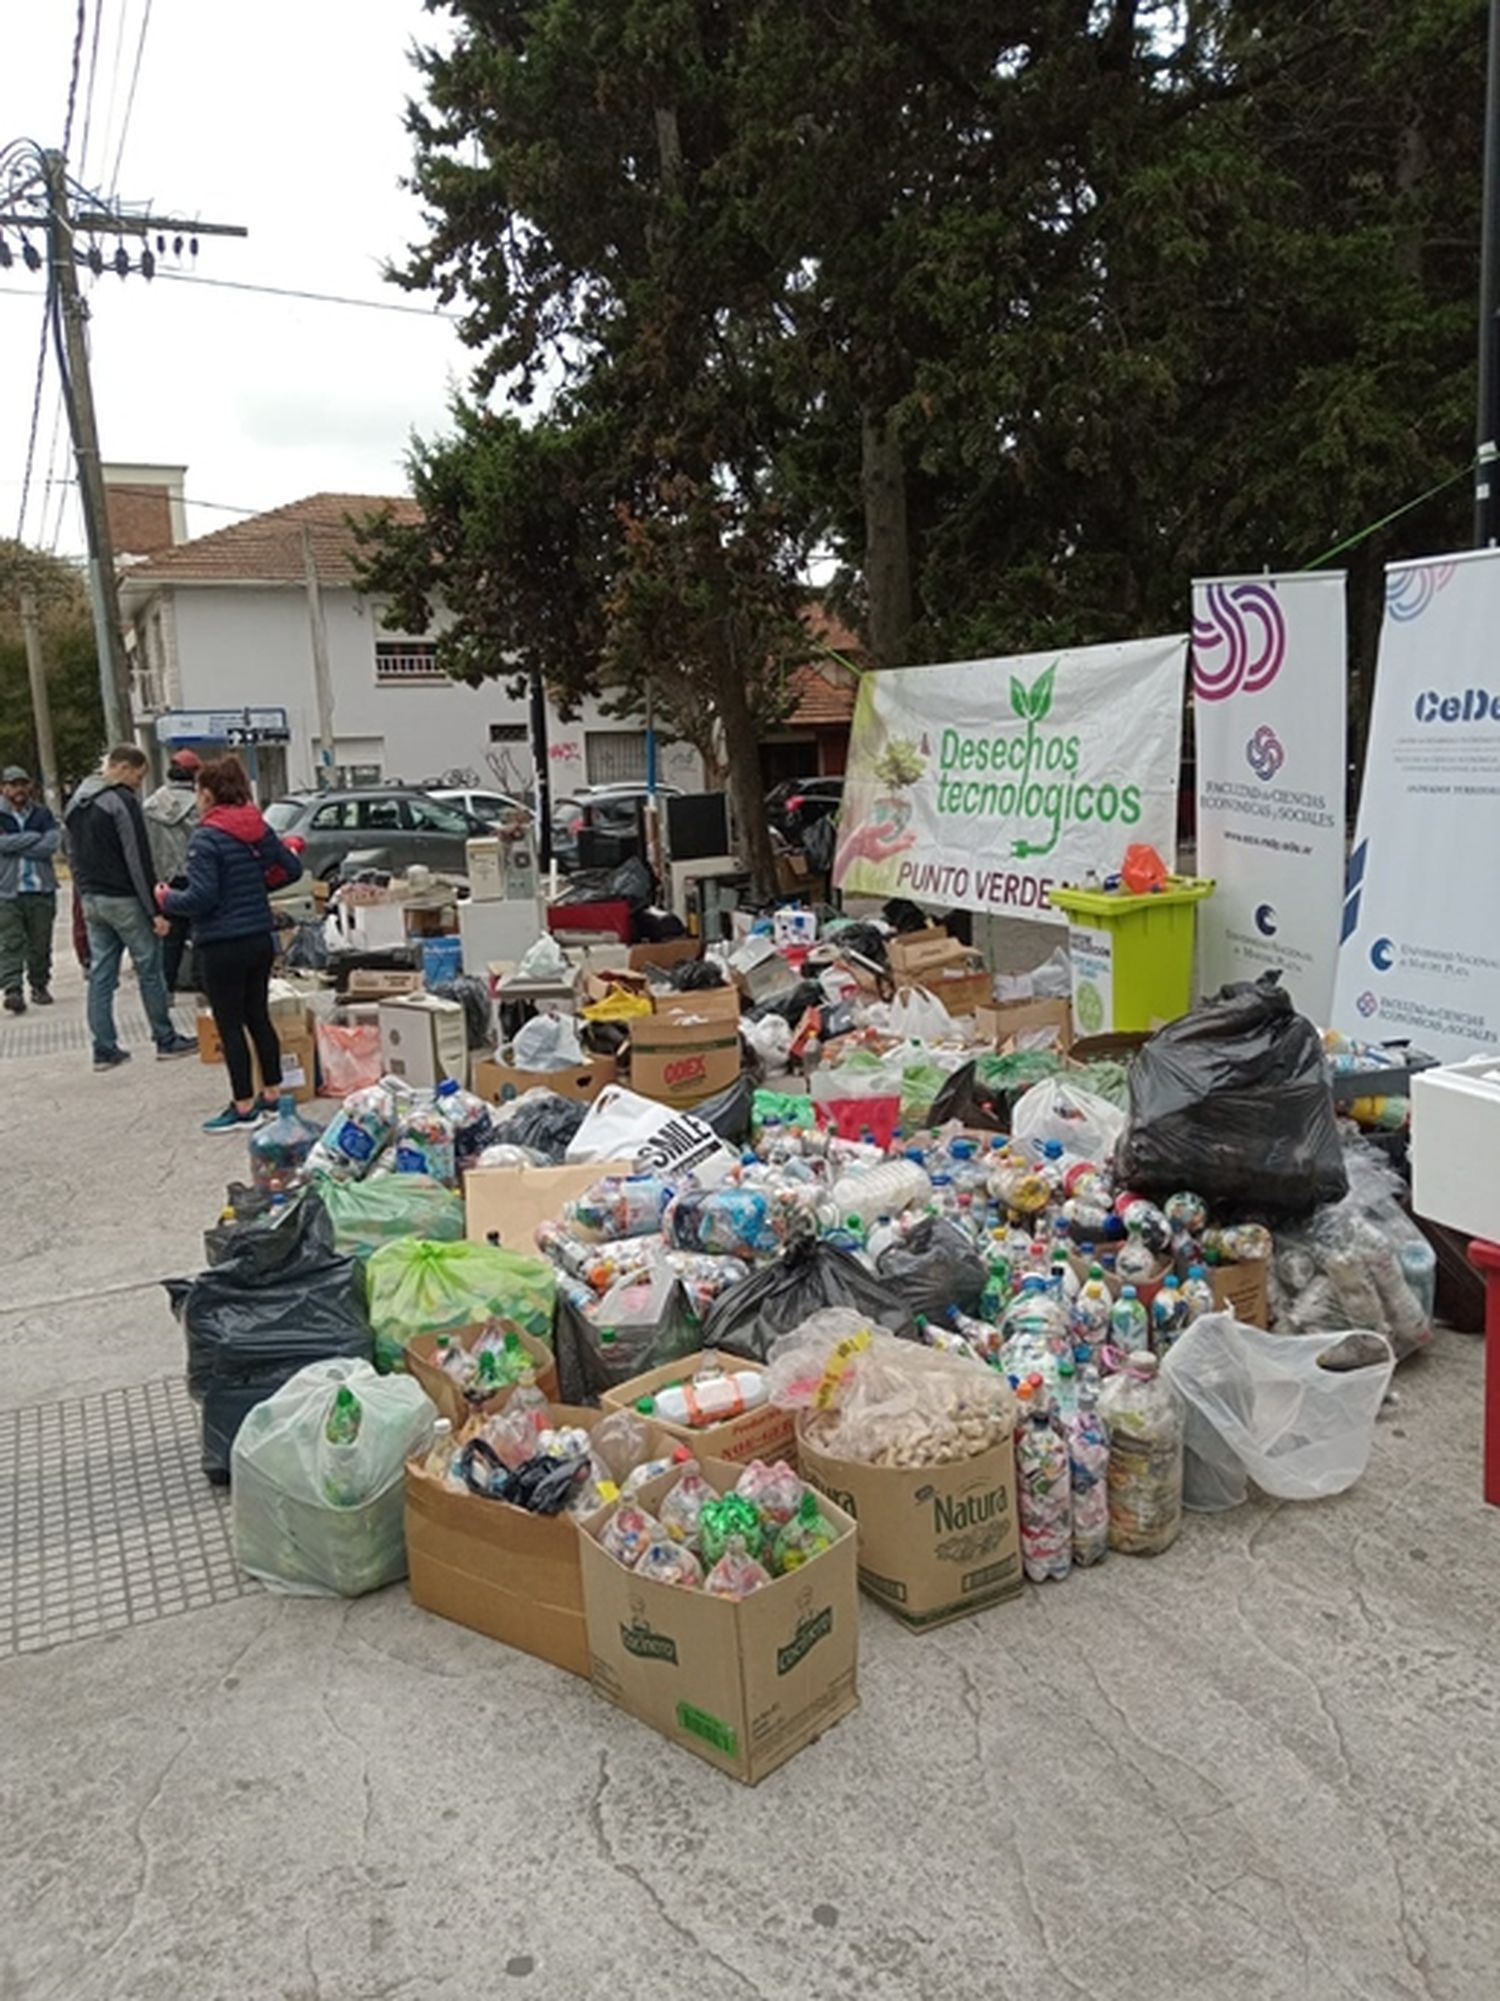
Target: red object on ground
613 917
1485 1258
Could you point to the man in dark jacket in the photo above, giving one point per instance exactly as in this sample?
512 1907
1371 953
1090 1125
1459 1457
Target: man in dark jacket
29 839
111 862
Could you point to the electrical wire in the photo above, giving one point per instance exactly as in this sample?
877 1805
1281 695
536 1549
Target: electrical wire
320 298
36 420
135 77
88 92
83 7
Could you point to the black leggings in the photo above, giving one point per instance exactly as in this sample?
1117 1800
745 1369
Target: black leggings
236 973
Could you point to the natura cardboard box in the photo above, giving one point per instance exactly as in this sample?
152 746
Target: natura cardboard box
511 1201
498 1082
935 1542
421 1362
498 1569
767 1432
423 1039
743 1685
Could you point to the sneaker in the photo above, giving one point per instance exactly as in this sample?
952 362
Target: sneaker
111 1059
15 1002
42 996
180 1045
233 1120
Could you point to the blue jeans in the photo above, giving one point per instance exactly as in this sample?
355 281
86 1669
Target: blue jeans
118 924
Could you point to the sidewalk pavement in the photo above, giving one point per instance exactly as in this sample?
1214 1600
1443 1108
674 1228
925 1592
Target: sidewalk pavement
1261 1768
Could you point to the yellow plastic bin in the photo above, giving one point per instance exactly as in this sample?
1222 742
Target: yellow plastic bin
1132 955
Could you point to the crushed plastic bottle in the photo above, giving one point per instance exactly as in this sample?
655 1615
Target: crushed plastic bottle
1043 1488
1168 1314
1129 1329
424 1143
626 1205
1197 1295
1144 1421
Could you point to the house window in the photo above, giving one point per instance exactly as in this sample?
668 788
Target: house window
509 733
616 757
398 660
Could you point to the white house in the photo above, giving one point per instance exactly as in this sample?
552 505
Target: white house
225 622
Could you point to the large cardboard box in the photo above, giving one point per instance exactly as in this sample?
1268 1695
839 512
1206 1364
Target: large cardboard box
369 983
935 1542
1242 1290
498 1082
421 1353
499 1569
765 1433
960 992
1005 1023
670 952
917 954
513 1200
742 1685
701 1004
683 1061
423 1039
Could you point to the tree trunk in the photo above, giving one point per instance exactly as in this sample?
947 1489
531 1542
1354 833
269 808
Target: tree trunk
742 762
887 548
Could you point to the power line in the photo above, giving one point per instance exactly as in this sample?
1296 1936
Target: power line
135 77
320 298
36 416
83 7
88 93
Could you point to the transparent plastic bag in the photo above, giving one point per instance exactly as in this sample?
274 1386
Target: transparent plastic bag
349 1056
1272 1410
1086 1126
547 1042
316 1516
545 960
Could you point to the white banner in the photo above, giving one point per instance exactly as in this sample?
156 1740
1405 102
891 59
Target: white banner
985 783
1268 710
1420 959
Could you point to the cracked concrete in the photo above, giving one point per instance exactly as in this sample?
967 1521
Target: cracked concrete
1264 1767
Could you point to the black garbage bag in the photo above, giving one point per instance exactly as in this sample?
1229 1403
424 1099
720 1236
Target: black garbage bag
653 1323
728 1112
818 844
693 975
808 1276
658 927
603 1038
792 1005
903 915
473 996
632 883
542 1120
934 1267
1232 1100
281 1298
867 940
982 1107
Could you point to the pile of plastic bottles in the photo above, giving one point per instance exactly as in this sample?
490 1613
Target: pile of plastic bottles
391 1126
769 1523
523 1456
497 1361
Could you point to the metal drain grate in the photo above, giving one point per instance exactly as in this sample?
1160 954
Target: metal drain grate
105 1518
47 1035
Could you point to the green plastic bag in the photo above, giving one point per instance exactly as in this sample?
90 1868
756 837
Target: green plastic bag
786 1106
416 1287
367 1214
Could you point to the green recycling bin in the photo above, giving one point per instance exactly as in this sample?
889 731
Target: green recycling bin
1132 955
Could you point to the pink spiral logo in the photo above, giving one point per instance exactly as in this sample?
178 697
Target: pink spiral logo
1239 643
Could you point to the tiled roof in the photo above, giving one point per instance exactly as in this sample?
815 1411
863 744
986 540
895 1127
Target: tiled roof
822 700
268 547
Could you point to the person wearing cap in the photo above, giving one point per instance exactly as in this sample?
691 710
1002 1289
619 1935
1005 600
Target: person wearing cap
171 813
29 838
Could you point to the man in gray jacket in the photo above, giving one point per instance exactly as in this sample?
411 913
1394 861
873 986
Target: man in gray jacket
29 838
171 814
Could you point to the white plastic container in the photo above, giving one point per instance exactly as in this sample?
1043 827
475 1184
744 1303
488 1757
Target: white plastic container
885 1190
712 1401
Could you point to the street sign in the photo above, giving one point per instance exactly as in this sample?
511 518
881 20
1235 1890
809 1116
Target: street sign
235 726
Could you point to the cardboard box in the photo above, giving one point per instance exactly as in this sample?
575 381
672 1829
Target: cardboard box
935 1542
1455 1146
1003 1024
511 1201
681 1063
744 1686
960 992
498 1569
484 869
765 1433
670 952
915 954
760 972
702 1004
432 918
496 1082
421 1351
366 983
299 1059
1243 1291
598 986
423 1039
285 1003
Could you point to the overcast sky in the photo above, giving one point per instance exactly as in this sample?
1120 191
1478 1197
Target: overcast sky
285 117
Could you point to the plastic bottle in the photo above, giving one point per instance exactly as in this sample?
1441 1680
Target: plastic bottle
982 1335
1168 1314
1144 1421
1129 1330
1044 1498
882 1235
438 1461
944 1197
341 1432
279 1149
1135 1260
1088 1466
620 1205
1197 1295
1021 1188
471 1120
453 1358
1064 1281
996 1295
424 1144
709 1400
883 1190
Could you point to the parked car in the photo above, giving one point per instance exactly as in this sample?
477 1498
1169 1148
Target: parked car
601 809
491 807
405 826
796 803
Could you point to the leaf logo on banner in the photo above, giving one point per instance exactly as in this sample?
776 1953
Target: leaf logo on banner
1032 704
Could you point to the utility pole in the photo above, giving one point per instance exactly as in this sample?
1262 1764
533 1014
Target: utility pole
34 183
322 679
1486 468
41 706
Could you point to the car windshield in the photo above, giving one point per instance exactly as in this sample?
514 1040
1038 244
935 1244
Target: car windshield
284 813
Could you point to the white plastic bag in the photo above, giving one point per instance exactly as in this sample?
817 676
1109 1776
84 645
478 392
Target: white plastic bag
919 1016
1261 1405
1087 1126
771 1039
621 1125
545 960
316 1518
547 1042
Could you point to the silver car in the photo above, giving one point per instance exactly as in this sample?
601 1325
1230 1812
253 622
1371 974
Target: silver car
394 826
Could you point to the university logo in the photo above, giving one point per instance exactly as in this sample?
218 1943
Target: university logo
1264 754
1239 643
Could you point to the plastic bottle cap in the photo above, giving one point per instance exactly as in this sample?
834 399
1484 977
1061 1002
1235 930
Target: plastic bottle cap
448 1087
1065 1367
646 1406
1127 1292
1052 1149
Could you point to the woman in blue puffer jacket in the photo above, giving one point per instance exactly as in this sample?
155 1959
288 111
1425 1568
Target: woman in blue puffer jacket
233 861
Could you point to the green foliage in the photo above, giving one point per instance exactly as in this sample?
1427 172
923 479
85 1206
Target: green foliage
70 659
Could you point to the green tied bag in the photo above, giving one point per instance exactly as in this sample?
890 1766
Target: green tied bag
419 1287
